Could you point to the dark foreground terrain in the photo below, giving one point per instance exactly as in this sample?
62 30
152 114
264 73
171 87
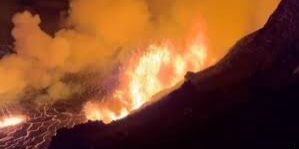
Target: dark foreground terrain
250 99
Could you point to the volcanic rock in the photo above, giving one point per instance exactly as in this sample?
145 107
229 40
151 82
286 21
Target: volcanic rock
247 100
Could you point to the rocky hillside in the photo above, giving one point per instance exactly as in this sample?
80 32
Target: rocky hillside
248 100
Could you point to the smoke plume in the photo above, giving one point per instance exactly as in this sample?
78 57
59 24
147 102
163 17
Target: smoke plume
99 35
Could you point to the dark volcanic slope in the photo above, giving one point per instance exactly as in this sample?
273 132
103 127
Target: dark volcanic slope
248 100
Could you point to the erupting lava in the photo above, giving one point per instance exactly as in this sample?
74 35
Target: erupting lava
10 121
161 66
35 126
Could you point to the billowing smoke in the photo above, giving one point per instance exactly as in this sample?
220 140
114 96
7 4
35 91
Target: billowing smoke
99 34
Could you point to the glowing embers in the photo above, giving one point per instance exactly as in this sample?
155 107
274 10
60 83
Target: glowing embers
10 121
159 67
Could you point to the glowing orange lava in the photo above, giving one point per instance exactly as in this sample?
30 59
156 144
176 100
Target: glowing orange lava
161 66
10 121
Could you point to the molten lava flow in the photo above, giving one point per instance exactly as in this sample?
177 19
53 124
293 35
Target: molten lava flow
160 67
10 121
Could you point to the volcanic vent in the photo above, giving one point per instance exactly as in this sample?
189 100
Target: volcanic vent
94 68
107 60
247 100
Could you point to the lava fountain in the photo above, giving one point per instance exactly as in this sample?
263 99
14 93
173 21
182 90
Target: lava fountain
159 67
10 121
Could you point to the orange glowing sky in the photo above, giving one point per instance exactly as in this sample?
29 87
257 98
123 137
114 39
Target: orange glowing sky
230 20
